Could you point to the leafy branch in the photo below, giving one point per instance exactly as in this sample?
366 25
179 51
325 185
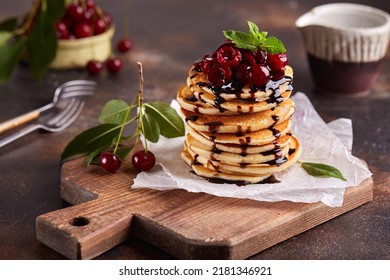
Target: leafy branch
34 39
153 119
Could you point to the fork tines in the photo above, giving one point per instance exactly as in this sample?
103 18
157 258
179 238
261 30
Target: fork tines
67 116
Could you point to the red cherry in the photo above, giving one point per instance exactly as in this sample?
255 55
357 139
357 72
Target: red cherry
82 30
99 26
277 74
242 74
219 75
74 12
88 15
114 64
227 43
261 56
62 31
90 4
205 63
143 161
108 19
277 61
69 23
260 75
229 56
248 58
124 45
109 161
94 67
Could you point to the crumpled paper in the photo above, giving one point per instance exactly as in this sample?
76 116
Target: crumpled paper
322 143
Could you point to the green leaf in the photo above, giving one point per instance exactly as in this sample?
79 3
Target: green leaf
122 152
114 111
4 37
10 54
92 139
241 39
41 45
273 45
93 157
55 9
320 169
150 128
253 28
255 40
170 123
9 24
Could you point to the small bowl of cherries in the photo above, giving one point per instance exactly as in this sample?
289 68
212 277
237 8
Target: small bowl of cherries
84 35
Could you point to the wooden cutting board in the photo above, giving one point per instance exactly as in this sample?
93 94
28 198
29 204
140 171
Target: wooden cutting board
187 225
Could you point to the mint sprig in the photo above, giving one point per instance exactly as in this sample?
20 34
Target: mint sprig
153 119
255 40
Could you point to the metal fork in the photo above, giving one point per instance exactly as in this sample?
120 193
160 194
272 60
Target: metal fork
67 90
55 124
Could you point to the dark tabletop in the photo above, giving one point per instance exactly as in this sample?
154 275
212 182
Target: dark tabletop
168 36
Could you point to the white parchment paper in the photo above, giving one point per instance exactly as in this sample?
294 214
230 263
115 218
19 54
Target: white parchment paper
323 143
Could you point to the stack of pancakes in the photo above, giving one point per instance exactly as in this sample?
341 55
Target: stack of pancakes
238 135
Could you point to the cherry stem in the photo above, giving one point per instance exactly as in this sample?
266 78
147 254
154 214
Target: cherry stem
30 18
140 104
83 4
125 122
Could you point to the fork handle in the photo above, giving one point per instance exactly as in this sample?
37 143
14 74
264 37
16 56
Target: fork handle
19 134
15 122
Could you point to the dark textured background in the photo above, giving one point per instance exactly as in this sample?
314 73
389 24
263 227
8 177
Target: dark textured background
168 37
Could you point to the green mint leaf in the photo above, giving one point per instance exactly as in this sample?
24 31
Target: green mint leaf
150 128
114 111
170 123
253 28
41 45
255 40
320 169
92 139
273 45
242 40
10 54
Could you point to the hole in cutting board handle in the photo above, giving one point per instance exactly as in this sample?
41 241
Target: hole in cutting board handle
79 221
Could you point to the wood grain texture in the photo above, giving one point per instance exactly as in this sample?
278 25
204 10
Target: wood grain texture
187 225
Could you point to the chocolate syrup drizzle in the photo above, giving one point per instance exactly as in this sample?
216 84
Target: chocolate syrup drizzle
236 89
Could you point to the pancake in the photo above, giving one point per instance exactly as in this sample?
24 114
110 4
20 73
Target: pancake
250 169
213 174
242 123
209 104
237 159
260 137
242 148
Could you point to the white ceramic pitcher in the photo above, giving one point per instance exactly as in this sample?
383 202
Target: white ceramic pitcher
345 44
